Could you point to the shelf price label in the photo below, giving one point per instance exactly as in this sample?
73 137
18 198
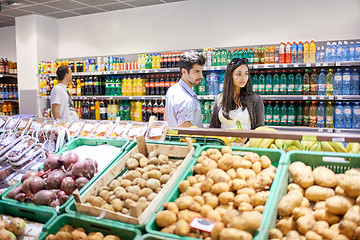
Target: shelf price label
321 97
255 66
308 65
313 97
309 138
296 65
325 64
277 65
305 97
331 97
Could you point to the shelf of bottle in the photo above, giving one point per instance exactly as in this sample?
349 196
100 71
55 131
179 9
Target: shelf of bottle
8 75
311 97
146 97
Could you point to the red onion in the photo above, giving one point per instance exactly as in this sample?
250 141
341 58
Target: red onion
54 179
33 184
68 185
70 159
62 197
15 191
52 162
81 182
86 169
44 197
28 174
21 197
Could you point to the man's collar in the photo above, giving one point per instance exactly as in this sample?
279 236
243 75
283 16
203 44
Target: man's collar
187 88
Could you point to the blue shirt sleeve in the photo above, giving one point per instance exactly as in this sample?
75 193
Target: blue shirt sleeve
185 111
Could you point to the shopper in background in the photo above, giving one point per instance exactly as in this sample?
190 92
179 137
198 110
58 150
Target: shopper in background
183 108
237 107
61 102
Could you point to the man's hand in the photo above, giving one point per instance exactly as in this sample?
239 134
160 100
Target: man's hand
55 110
186 124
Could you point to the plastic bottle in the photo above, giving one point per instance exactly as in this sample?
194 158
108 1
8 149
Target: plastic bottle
215 77
268 84
251 56
262 56
322 54
209 86
276 55
256 56
322 82
330 82
246 54
300 52
282 53
276 114
355 83
298 83
255 82
306 82
320 121
357 51
352 52
299 114
261 81
347 115
283 114
312 52
339 115
276 83
306 52
346 82
288 53
283 83
291 83
272 55
267 55
268 114
314 83
306 116
356 116
329 112
340 52
229 57
291 114
235 53
328 51
294 52
318 55
334 52
338 78
312 114
346 54
241 53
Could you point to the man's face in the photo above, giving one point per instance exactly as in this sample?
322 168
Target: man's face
69 75
194 76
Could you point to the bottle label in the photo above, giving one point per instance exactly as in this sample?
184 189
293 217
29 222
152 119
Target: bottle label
276 118
306 87
255 87
291 118
299 118
102 110
284 118
276 87
291 88
268 87
306 118
314 87
347 111
346 77
202 89
357 111
261 87
329 87
322 87
312 118
268 118
338 111
320 119
338 78
282 87
329 119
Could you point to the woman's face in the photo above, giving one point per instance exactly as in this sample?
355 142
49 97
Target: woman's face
240 76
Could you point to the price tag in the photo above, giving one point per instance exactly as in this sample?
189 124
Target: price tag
134 132
266 66
321 97
320 130
325 64
338 139
296 65
333 159
309 138
256 66
146 71
308 64
131 71
167 70
277 65
313 97
111 98
337 64
331 97
155 70
305 97
339 97
329 130
155 132
173 132
202 224
285 65
317 64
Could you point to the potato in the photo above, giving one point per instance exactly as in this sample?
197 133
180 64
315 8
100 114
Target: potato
353 172
305 202
255 182
153 160
226 149
183 202
215 157
134 189
347 228
240 173
98 202
151 196
199 199
191 191
248 191
324 215
292 235
259 198
226 197
353 214
325 177
317 193
125 183
50 237
241 198
351 185
301 174
225 163
154 174
145 192
163 159
195 206
338 205
319 226
218 227
131 196
114 184
111 237
165 218
169 229
320 205
188 215
165 169
249 221
63 235
144 161
153 183
253 157
237 184
95 236
214 215
285 225
77 235
244 206
183 185
265 161
234 234
205 209
256 167
105 195
132 163
311 235
182 228
206 185
259 208
305 224
339 191
218 175
329 233
66 228
108 207
301 211
220 187
211 200
227 213
249 173
275 233
237 161
245 164
232 173
294 186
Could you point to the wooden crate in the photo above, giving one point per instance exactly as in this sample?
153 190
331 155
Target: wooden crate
173 151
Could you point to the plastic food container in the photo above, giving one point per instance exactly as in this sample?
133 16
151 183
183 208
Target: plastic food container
117 130
157 132
102 129
3 120
24 124
9 142
135 129
11 123
21 148
5 171
36 124
28 156
61 123
75 127
47 124
88 128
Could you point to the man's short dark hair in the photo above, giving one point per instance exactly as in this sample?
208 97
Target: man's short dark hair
189 59
61 71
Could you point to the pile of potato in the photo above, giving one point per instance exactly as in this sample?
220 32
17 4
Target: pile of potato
67 232
229 189
138 186
319 205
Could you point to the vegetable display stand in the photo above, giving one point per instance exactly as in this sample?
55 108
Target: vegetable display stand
45 216
91 225
337 162
174 151
125 146
202 140
278 159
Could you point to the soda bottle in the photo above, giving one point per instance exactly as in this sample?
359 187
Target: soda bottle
306 82
97 110
91 86
294 52
346 82
161 110
354 83
276 114
352 52
320 115
314 83
118 86
291 114
269 114
338 78
298 83
207 112
347 115
291 83
329 112
288 53
213 58
246 54
299 114
282 53
339 115
306 52
283 114
202 87
149 109
261 81
267 55
312 114
276 55
256 56
255 81
251 56
221 81
241 54
269 84
229 57
276 83
272 55
235 53
103 113
322 82
300 52
283 83
356 116
312 52
306 114
109 110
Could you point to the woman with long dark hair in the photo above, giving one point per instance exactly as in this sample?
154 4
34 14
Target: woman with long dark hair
237 107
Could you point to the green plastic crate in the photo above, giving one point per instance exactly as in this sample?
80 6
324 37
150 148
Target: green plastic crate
153 237
278 159
200 140
45 216
91 225
124 144
71 207
313 159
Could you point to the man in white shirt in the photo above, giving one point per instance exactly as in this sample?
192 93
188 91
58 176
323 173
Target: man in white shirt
62 106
